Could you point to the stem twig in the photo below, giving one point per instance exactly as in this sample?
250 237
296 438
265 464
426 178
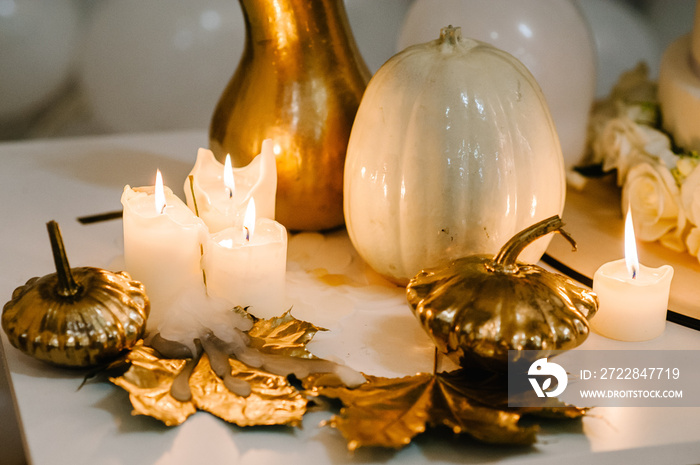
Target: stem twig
506 260
67 287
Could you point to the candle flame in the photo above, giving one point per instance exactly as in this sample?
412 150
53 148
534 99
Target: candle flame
160 193
228 176
249 219
631 258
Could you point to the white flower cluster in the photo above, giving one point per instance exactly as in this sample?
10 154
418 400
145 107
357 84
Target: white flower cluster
659 183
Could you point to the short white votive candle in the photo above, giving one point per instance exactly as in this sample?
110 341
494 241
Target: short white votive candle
247 267
631 309
632 298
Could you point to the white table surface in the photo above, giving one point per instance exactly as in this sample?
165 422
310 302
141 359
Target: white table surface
371 329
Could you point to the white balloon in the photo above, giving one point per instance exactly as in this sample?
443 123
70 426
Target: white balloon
623 38
550 37
376 25
38 40
159 65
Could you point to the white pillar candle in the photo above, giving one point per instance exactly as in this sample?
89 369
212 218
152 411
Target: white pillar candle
222 206
247 266
162 246
632 298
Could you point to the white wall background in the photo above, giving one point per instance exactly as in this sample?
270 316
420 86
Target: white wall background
72 67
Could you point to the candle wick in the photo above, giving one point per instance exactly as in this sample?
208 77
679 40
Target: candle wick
230 192
247 233
162 209
194 197
634 274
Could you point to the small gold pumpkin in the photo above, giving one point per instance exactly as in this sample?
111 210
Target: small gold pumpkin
479 307
78 317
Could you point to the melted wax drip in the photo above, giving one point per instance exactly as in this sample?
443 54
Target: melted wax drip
219 352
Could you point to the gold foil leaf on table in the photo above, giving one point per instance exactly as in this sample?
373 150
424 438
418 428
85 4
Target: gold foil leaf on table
390 412
492 390
272 401
148 382
284 335
226 386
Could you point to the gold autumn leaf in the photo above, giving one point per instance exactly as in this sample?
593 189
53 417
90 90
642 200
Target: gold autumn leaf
148 383
389 412
284 335
492 390
271 400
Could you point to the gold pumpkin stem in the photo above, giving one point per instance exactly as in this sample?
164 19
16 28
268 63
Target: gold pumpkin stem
67 287
506 260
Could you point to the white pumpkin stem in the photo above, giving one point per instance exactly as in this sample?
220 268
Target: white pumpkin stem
450 34
506 260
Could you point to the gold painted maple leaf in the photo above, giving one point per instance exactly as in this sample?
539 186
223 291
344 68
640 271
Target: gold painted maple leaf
390 412
270 398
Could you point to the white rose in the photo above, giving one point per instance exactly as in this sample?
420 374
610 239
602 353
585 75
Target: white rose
658 145
692 241
690 201
651 192
685 166
690 196
639 113
621 145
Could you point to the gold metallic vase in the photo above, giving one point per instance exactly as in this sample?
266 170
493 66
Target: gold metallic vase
299 82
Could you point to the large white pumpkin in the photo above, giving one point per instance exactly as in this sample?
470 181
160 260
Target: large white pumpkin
453 151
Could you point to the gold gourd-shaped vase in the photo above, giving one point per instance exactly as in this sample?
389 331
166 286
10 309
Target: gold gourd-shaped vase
299 83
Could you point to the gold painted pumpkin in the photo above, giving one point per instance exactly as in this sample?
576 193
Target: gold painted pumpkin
76 317
479 307
453 150
106 317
